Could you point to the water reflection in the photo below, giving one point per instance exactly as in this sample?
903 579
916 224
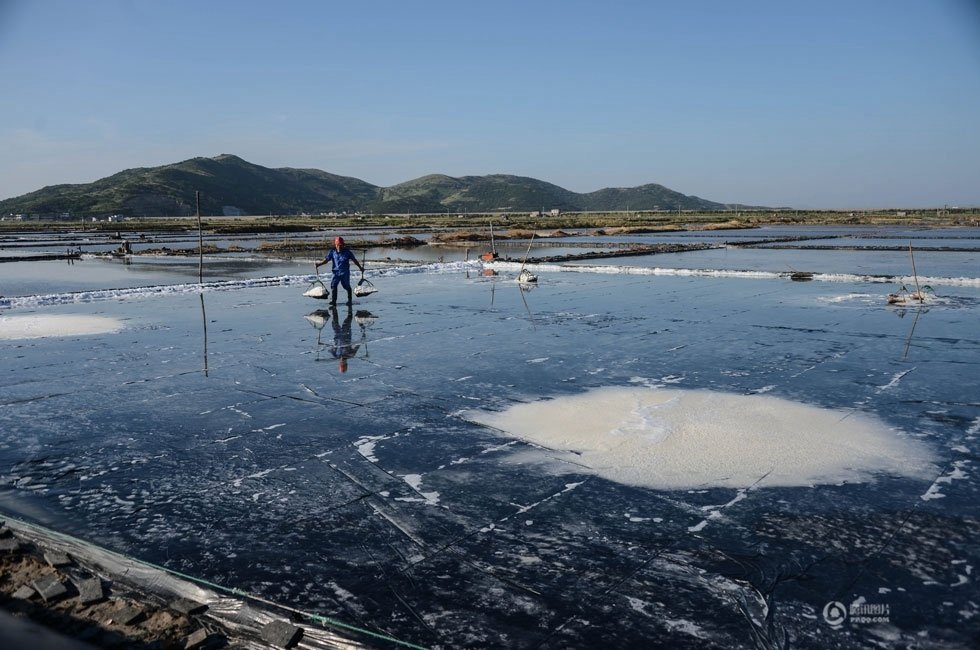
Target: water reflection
204 321
525 288
343 347
364 318
318 319
915 321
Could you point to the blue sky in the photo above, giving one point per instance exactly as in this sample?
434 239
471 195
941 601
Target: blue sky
830 104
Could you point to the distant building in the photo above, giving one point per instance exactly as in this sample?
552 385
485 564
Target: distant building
555 212
536 213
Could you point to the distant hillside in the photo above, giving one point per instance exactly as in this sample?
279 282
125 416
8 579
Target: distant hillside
230 185
494 193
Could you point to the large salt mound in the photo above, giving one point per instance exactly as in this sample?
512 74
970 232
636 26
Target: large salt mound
681 439
34 327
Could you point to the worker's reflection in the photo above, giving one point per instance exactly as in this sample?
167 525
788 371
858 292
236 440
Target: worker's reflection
342 349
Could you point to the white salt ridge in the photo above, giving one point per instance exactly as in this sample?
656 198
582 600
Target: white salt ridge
55 325
729 273
458 267
674 439
99 295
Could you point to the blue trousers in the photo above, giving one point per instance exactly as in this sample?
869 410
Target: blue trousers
343 280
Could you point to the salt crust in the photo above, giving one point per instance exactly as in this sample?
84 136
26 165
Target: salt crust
54 325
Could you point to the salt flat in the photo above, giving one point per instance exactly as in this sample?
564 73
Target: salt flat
215 434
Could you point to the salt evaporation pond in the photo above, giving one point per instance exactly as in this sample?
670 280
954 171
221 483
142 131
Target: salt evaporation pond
614 457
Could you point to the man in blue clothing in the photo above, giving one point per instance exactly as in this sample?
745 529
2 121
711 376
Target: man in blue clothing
341 256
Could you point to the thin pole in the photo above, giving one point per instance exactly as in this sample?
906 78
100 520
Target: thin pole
200 275
200 239
915 275
527 253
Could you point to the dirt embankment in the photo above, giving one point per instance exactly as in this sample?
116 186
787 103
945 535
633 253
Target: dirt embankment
61 593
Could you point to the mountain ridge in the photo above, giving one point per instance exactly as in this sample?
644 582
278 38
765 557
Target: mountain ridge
231 185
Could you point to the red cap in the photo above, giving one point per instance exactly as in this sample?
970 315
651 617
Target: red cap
339 240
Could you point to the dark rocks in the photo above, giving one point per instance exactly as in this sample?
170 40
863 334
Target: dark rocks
57 559
127 615
90 591
196 639
50 588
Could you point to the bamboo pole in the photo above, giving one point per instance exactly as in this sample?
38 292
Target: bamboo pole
524 262
915 276
200 275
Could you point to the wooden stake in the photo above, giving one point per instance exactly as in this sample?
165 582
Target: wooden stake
200 240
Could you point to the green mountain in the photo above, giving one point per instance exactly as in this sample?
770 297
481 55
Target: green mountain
493 193
230 185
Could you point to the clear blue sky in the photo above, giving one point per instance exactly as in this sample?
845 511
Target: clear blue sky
821 104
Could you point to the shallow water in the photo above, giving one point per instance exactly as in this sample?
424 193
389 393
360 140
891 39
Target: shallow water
217 435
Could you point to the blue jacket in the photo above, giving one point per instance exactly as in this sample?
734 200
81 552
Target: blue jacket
341 261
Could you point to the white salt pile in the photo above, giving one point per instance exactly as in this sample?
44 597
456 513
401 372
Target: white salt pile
682 439
316 291
38 326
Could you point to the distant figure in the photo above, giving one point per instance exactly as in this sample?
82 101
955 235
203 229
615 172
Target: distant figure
342 348
341 256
